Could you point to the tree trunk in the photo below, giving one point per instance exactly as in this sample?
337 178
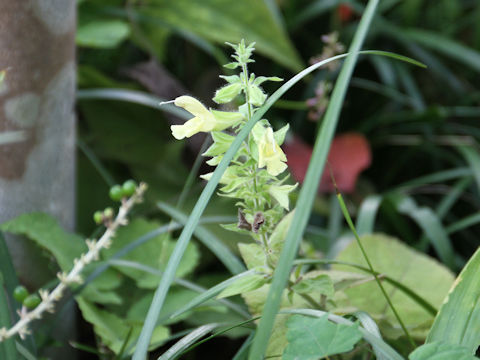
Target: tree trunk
37 48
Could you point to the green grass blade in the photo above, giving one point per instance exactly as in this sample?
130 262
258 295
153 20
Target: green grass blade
458 320
221 332
473 159
431 225
96 163
440 176
446 46
367 213
371 326
452 196
242 353
182 282
207 238
161 292
463 223
184 343
309 188
375 274
133 96
384 349
209 294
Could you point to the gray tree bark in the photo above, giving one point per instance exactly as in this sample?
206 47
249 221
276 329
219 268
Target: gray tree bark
37 47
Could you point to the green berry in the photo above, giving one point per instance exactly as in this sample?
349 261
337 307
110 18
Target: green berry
20 293
108 213
32 301
116 193
129 187
98 217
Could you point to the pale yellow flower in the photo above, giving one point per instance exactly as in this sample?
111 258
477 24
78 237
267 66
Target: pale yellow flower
270 154
204 120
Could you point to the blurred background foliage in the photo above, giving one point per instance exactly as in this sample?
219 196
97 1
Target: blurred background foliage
421 125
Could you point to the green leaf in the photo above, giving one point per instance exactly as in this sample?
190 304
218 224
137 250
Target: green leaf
441 351
277 238
244 285
281 192
113 330
279 135
314 338
261 79
44 230
384 350
403 264
231 21
458 320
257 96
230 78
232 65
252 254
102 34
221 143
227 93
154 253
322 284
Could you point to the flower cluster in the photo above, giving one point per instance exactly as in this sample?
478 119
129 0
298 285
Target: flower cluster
253 175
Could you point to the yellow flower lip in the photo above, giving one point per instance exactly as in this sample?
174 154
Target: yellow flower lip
204 120
270 154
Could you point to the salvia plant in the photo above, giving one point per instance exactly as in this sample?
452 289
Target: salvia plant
256 176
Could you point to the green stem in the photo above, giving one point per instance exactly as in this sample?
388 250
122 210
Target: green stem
374 273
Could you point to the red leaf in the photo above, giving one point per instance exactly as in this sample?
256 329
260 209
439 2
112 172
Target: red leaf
348 156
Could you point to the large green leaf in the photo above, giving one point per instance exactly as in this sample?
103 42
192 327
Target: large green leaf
458 320
227 20
154 253
441 351
314 338
405 265
45 231
102 33
113 330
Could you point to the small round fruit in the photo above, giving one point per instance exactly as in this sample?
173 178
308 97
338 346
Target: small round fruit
32 301
20 293
116 193
98 217
108 213
129 187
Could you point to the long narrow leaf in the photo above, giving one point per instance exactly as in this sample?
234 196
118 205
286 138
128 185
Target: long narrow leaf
223 253
309 188
446 46
367 213
458 321
209 294
185 342
137 97
161 292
